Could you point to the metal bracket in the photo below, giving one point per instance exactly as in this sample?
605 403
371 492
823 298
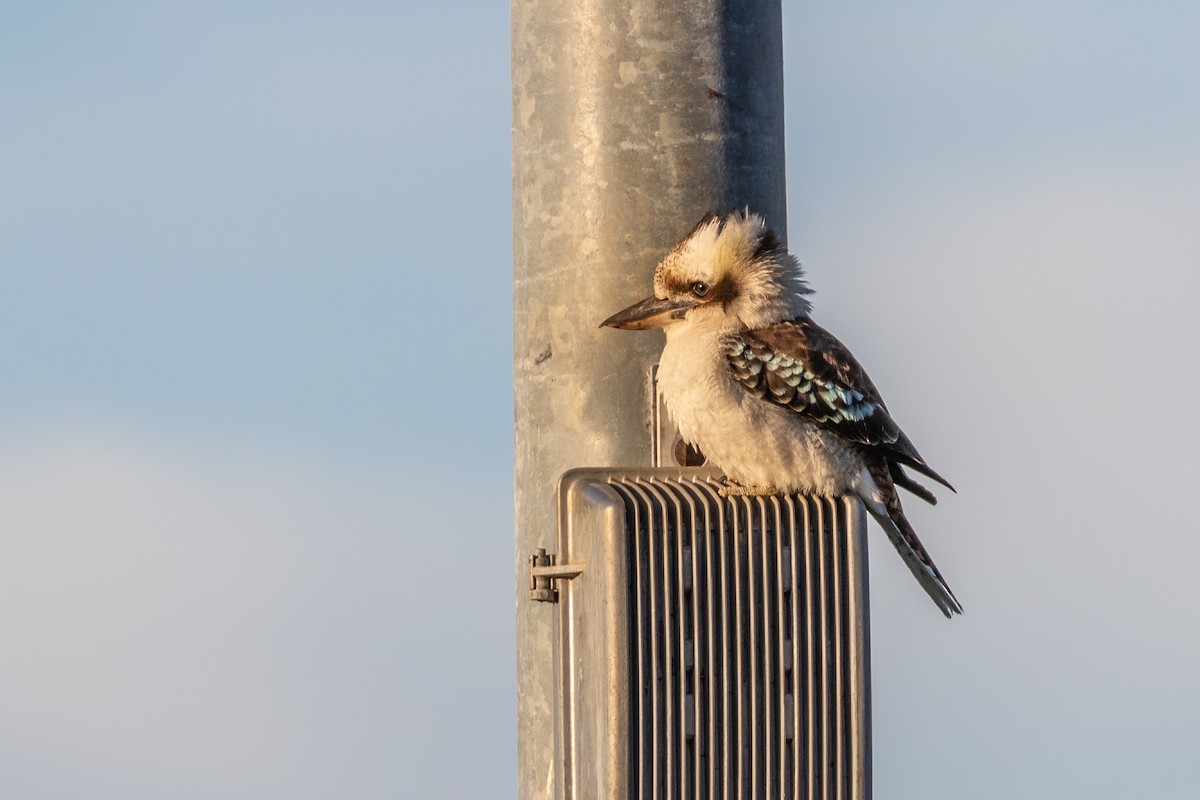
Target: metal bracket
543 572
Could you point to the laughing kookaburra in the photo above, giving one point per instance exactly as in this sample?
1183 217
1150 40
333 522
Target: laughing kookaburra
770 397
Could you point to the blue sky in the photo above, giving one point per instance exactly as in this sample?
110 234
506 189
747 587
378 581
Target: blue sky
255 273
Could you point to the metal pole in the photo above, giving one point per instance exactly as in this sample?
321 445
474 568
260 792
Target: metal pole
631 119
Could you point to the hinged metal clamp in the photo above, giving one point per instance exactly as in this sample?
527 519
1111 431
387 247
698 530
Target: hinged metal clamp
543 572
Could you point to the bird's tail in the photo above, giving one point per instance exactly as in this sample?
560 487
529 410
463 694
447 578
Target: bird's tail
886 509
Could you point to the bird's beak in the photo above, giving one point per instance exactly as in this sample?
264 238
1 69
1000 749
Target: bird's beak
652 312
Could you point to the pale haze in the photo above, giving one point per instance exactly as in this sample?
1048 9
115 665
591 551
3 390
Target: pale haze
255 349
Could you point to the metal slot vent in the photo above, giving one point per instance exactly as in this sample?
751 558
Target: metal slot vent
717 648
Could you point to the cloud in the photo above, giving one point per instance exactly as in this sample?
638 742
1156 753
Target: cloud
246 625
1028 338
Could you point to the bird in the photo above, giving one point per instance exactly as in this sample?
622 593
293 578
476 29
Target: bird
774 401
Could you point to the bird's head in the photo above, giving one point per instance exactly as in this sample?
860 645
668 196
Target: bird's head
730 273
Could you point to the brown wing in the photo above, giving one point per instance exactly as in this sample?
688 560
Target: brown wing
800 365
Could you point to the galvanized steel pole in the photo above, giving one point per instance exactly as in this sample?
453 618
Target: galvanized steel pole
631 119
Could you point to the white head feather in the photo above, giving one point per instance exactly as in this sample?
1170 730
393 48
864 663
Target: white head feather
751 279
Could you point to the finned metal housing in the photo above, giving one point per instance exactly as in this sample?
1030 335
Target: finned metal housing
713 647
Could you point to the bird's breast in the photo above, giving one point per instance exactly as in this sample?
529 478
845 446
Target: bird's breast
754 441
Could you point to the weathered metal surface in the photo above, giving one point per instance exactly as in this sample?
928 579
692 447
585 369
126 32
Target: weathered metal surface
630 121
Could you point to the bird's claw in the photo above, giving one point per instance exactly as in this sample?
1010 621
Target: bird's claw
731 488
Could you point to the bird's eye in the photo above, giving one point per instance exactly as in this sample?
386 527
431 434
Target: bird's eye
700 288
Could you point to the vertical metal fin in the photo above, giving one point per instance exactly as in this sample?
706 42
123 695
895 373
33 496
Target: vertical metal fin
748 651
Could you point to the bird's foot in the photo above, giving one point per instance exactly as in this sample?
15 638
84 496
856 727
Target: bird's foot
731 488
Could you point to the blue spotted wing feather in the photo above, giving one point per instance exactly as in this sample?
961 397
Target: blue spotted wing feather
800 365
